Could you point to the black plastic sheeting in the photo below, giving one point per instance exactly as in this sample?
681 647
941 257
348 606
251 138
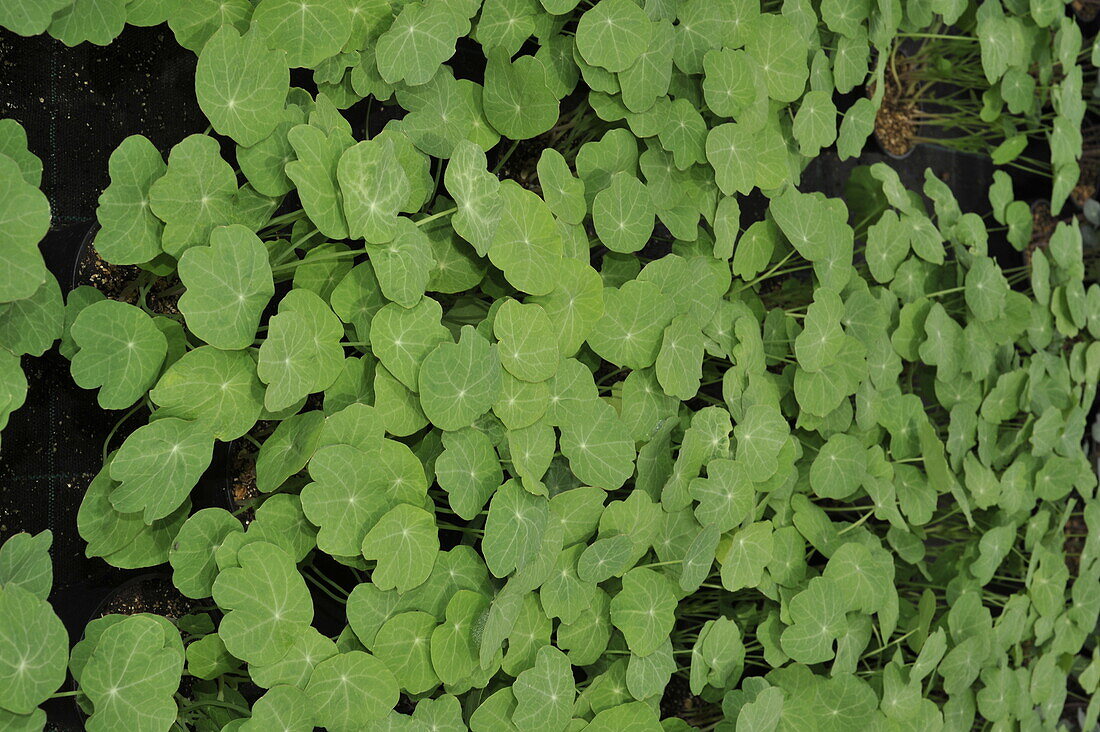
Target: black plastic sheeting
77 105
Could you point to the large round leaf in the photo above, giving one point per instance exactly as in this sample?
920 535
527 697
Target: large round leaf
121 351
266 602
130 233
240 85
158 465
459 381
350 690
228 286
220 389
302 352
33 650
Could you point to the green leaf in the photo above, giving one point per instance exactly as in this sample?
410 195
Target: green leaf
644 610
314 172
33 648
350 689
374 187
130 233
353 488
750 550
623 214
630 332
405 543
195 195
158 465
476 193
459 381
609 556
402 337
513 529
294 669
863 576
32 325
528 349
229 283
283 707
731 81
780 55
266 602
421 38
815 123
131 675
839 467
403 643
25 562
613 34
29 17
95 21
357 298
219 389
599 447
725 496
679 362
817 615
817 346
404 264
121 351
302 353
574 305
307 32
454 651
192 552
468 470
25 218
527 246
986 289
856 126
761 434
240 85
519 104
288 449
544 693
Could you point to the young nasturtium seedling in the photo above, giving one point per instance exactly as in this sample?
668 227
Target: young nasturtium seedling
565 390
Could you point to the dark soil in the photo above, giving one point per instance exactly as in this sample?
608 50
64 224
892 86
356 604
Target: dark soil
895 126
1042 226
123 282
154 594
1086 10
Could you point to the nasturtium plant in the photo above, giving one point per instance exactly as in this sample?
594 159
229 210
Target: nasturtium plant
572 403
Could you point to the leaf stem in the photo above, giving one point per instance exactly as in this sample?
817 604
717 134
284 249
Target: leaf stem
433 217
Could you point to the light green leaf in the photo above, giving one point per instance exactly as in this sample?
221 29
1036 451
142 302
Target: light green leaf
240 85
266 602
613 34
527 246
350 689
644 610
130 233
158 465
302 352
121 351
219 389
544 693
404 542
528 349
459 381
308 32
33 649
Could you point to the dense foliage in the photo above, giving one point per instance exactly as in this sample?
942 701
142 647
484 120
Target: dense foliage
599 451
